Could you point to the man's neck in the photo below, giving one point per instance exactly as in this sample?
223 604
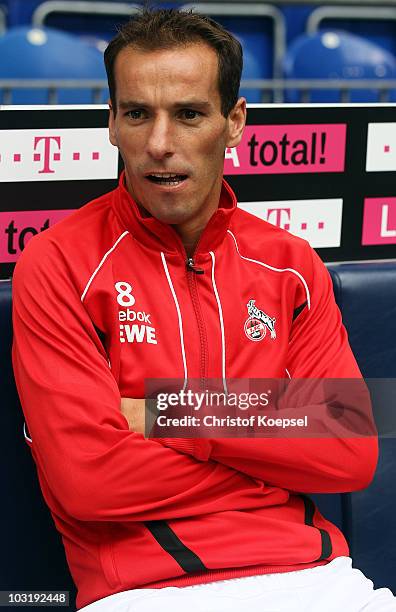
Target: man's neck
190 241
191 232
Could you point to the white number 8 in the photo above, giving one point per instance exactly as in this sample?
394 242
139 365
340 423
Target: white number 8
125 297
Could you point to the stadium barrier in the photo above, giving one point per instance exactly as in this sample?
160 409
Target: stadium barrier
273 90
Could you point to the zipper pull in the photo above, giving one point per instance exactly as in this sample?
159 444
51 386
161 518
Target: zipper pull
191 266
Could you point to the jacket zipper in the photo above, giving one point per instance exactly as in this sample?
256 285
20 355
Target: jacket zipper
192 272
191 266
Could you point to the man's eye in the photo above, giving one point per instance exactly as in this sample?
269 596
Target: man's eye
190 114
135 114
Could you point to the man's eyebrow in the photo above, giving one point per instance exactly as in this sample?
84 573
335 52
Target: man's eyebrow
203 104
129 103
195 103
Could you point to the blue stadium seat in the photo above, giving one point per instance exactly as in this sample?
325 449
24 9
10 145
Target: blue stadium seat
253 68
259 36
3 20
366 295
257 40
337 55
374 22
44 53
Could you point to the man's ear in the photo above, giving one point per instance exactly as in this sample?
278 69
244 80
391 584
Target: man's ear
236 123
112 131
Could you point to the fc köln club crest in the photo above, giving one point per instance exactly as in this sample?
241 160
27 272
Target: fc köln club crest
258 322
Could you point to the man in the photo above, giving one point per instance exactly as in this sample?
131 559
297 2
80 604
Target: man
169 272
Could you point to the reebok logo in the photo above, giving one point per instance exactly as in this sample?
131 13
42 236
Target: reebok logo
131 315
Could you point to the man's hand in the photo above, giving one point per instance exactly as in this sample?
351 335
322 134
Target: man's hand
133 410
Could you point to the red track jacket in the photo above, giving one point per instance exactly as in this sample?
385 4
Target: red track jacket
103 300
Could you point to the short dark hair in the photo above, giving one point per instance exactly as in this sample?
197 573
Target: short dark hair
154 29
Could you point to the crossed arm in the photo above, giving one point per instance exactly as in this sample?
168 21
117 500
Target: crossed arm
88 442
318 349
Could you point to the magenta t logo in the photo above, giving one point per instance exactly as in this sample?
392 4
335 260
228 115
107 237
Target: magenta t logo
47 151
278 216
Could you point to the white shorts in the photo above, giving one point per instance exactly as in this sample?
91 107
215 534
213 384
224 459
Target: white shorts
325 588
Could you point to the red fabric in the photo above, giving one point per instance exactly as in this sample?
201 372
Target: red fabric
229 501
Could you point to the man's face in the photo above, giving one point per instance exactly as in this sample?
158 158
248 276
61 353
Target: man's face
169 122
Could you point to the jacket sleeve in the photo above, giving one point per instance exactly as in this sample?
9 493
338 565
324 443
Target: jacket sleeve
318 349
94 467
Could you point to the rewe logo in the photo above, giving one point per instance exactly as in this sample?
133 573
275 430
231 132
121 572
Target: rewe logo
318 221
137 333
57 155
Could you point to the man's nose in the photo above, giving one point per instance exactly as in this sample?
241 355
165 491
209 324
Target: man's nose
160 141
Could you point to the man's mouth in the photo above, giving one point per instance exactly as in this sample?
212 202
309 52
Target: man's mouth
166 178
